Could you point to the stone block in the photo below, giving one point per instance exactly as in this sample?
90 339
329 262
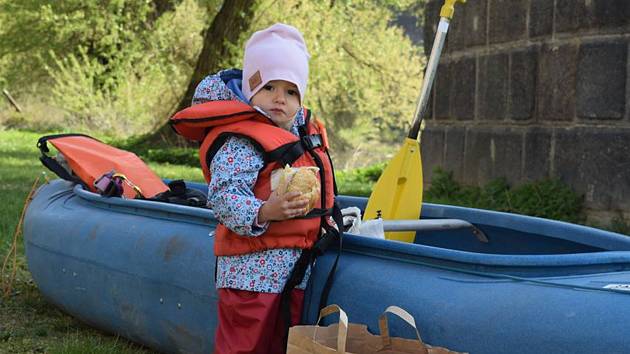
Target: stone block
594 161
569 15
454 151
540 18
523 83
508 20
468 27
431 19
555 83
441 88
432 150
456 37
628 86
607 14
478 164
537 154
601 80
493 87
506 147
429 114
493 153
462 89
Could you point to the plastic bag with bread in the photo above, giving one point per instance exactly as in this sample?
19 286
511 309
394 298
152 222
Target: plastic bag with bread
297 179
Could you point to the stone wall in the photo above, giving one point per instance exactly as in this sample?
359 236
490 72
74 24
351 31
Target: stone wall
529 89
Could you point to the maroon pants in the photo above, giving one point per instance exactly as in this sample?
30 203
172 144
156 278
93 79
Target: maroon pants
252 323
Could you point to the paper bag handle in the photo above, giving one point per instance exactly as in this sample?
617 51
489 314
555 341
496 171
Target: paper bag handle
342 333
384 326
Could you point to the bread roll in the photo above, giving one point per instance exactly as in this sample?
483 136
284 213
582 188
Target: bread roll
297 179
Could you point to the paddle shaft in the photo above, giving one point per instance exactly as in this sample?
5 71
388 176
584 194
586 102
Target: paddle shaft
429 76
398 192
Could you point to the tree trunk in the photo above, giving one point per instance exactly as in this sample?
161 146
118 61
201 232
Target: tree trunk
161 7
234 18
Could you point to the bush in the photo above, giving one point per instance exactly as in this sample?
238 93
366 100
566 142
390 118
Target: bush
620 225
114 68
548 198
175 156
358 181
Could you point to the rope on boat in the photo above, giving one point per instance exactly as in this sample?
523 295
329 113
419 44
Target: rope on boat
11 256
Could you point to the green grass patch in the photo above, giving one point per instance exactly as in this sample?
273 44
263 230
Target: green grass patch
28 323
78 344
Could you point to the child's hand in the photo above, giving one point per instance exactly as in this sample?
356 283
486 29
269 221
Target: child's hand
282 207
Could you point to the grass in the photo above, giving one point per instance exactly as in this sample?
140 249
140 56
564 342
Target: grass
28 323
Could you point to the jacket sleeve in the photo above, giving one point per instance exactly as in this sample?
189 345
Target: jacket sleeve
212 88
234 171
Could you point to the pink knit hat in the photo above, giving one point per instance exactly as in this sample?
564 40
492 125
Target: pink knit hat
275 53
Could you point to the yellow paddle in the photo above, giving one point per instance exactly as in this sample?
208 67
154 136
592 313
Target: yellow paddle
397 194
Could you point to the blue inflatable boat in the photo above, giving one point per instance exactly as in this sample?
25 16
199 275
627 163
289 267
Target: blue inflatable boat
145 270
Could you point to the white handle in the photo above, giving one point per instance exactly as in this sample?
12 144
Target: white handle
384 326
342 331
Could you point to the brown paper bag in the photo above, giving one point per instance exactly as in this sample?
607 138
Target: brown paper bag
351 338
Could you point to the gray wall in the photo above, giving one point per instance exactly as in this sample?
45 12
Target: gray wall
529 89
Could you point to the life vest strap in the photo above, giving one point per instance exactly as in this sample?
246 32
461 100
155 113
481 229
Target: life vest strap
316 213
51 163
288 153
307 258
58 169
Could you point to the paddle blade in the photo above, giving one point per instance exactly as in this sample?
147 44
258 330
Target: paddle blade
398 192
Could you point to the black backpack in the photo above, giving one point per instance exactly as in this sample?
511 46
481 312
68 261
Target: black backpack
178 193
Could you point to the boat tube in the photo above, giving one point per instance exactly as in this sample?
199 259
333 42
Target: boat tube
145 270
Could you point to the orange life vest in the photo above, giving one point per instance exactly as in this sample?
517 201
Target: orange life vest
89 159
213 122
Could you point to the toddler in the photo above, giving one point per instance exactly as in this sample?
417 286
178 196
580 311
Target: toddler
262 235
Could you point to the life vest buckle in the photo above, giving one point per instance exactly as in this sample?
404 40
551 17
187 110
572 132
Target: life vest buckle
326 240
312 141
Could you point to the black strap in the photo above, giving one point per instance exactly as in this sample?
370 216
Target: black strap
322 246
333 174
307 258
54 165
58 169
285 154
295 278
316 213
43 147
311 142
288 153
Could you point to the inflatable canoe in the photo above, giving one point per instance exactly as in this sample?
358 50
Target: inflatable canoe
144 270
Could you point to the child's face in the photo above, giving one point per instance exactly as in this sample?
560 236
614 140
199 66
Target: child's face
281 100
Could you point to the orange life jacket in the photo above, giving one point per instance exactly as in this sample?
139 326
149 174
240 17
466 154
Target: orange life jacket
90 159
213 122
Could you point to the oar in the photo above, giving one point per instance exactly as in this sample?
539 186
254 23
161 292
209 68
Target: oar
398 192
